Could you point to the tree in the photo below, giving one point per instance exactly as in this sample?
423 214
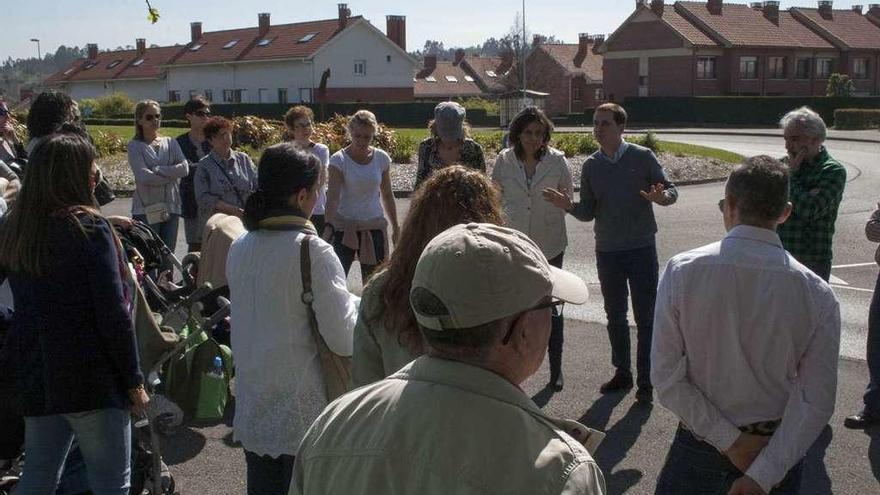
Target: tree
840 85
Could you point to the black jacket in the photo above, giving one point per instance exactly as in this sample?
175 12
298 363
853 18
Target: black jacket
189 207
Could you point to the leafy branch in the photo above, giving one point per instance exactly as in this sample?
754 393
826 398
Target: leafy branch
152 14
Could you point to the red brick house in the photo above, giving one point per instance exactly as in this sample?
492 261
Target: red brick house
855 35
570 73
443 80
719 48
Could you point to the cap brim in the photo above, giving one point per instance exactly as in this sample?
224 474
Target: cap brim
568 287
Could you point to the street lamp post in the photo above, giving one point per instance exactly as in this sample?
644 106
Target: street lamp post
39 54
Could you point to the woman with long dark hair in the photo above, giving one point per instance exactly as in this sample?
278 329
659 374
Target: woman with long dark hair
280 387
522 172
71 344
387 336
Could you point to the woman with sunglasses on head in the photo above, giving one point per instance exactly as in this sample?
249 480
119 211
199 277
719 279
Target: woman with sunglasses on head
522 172
299 121
158 165
386 336
71 344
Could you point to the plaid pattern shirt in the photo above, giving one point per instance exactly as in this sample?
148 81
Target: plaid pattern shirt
815 193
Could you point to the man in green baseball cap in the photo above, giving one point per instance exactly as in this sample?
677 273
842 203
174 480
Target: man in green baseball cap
455 420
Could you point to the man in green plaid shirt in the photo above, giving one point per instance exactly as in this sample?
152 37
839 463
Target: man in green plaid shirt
817 182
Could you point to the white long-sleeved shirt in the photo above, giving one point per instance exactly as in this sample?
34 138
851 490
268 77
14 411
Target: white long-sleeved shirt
278 379
744 333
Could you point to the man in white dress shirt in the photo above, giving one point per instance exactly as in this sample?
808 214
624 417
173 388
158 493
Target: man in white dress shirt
745 349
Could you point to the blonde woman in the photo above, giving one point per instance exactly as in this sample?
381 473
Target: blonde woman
158 165
360 186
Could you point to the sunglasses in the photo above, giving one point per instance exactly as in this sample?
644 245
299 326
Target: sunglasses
4 112
153 116
202 113
544 305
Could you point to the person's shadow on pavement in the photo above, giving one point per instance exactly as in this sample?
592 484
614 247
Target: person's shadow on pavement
815 475
618 440
874 451
599 413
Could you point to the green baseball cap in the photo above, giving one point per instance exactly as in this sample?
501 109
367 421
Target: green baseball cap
481 273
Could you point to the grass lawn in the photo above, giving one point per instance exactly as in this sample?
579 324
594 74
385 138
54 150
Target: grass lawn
418 134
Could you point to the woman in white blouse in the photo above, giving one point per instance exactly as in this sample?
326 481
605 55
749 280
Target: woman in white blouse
158 165
522 172
279 385
299 121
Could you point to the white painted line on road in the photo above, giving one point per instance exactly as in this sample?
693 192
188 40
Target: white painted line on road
836 281
855 265
851 288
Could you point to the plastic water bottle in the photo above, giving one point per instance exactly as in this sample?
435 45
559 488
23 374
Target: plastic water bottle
217 369
212 392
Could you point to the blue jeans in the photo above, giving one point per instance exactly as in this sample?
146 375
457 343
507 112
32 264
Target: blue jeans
268 475
104 437
637 268
697 468
166 230
872 394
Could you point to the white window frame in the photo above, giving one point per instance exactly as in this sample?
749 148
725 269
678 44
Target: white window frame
744 63
866 64
821 65
362 65
770 69
710 63
797 69
282 92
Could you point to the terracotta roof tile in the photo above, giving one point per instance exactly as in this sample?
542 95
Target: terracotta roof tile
482 66
852 29
106 66
805 37
687 30
565 55
150 68
741 25
441 86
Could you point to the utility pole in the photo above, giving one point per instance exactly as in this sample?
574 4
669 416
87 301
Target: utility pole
39 54
523 54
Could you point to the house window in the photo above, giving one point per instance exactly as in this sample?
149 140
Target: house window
776 67
431 79
262 95
643 81
706 68
576 94
114 64
137 62
599 94
209 95
748 67
228 96
824 67
282 95
802 70
307 38
193 93
241 96
174 96
264 42
388 58
468 78
451 79
491 73
229 45
360 67
305 95
860 68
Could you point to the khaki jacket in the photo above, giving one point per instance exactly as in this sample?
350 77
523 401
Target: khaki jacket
442 427
219 232
524 206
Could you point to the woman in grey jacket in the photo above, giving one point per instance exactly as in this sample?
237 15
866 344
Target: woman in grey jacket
158 165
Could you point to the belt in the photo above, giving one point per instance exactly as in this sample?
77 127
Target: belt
761 428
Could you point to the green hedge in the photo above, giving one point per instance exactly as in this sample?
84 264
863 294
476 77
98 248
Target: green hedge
404 114
734 110
856 118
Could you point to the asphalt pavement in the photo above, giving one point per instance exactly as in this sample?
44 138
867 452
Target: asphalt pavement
205 460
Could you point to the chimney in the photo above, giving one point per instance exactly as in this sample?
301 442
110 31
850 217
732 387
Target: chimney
641 4
395 29
264 23
857 9
536 40
431 62
715 6
344 13
657 7
874 9
759 6
459 56
93 50
825 7
771 11
141 44
597 42
195 31
584 40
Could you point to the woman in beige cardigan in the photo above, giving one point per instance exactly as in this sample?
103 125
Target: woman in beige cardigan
522 172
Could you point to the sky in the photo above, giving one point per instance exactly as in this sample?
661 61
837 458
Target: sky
113 23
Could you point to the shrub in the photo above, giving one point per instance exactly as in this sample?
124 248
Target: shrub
490 141
256 132
108 143
107 106
649 141
573 144
840 85
856 118
404 149
477 103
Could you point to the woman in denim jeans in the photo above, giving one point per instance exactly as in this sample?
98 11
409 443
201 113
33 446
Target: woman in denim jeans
71 344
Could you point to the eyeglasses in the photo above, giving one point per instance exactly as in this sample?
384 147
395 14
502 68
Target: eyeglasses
153 116
721 203
202 113
543 305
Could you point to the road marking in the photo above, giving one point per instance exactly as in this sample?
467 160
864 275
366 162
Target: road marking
836 281
855 265
851 288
